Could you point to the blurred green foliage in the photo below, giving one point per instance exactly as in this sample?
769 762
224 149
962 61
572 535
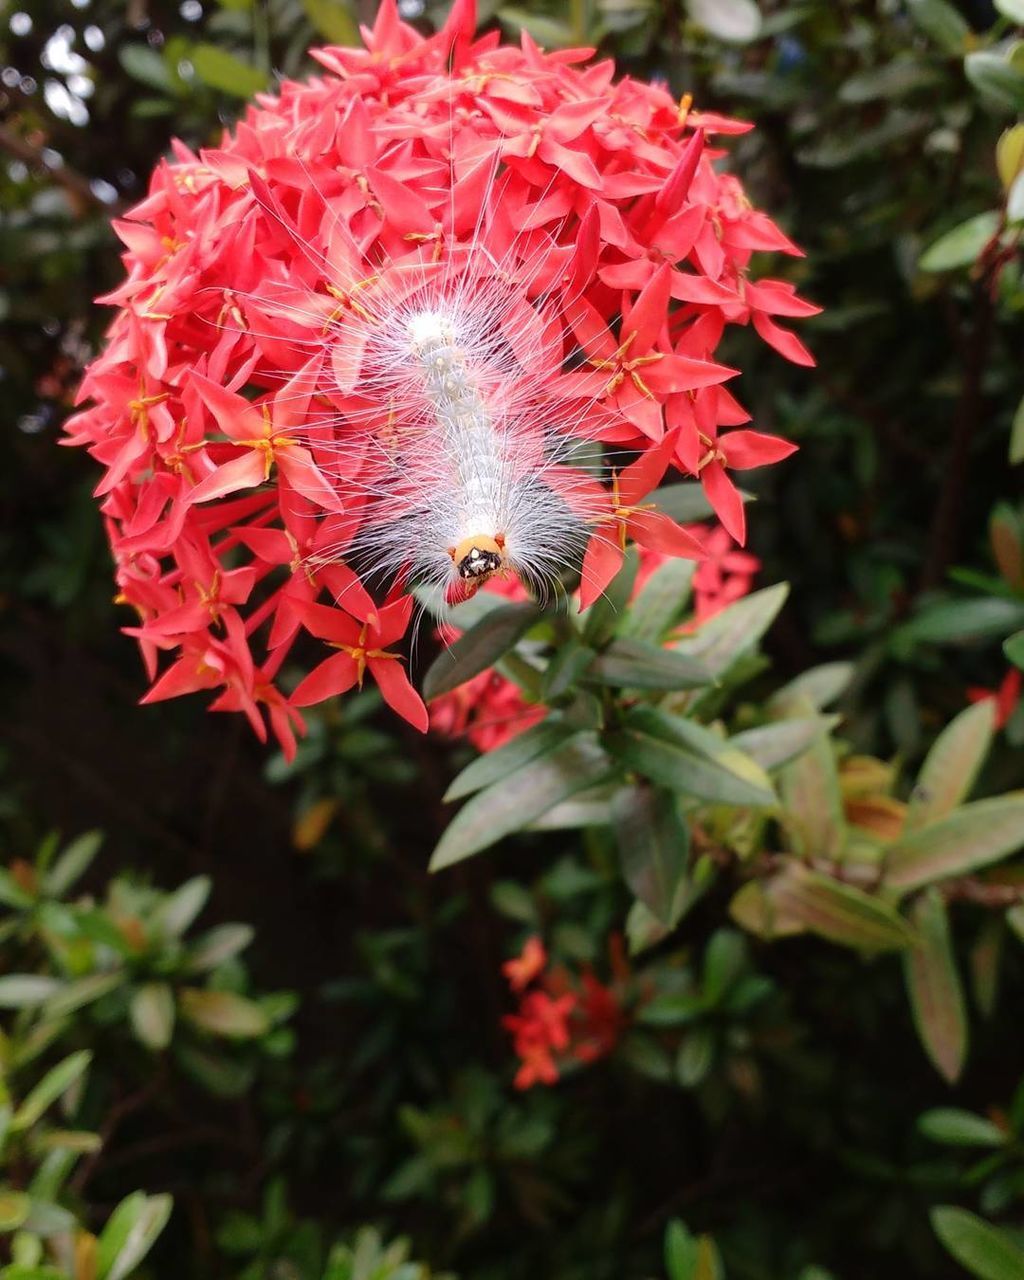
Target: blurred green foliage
773 1097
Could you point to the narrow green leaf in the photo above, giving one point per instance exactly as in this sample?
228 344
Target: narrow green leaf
57 1081
996 79
148 67
12 894
72 863
152 1014
222 70
961 622
219 944
130 1233
1014 649
1012 9
495 765
839 912
735 631
820 686
773 745
985 964
812 802
334 20
971 837
961 246
223 1013
934 987
83 991
736 21
686 503
478 648
653 848
565 670
179 909
661 601
1017 435
522 796
22 990
956 1128
14 1208
689 759
952 765
986 1252
634 664
942 21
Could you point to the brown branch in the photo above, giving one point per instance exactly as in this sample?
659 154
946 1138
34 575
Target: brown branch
70 179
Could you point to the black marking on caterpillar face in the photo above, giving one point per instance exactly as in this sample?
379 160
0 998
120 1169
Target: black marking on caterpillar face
478 563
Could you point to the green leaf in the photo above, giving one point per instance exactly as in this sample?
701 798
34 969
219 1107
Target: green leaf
223 1013
14 1208
1014 649
1012 9
222 70
76 1141
889 80
962 246
12 894
956 1128
961 622
1017 435
689 759
72 863
952 765
654 848
74 995
548 32
152 1014
22 990
522 796
634 664
812 802
218 945
179 909
495 765
686 503
996 79
147 66
735 631
839 912
942 21
130 1233
57 1081
737 21
986 1252
565 670
334 20
689 1257
478 648
934 987
820 686
773 745
970 838
661 601
696 1057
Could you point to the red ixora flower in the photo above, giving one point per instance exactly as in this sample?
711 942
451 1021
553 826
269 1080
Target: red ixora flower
242 410
561 1018
1006 697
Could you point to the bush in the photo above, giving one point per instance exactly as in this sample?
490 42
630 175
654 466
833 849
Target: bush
718 969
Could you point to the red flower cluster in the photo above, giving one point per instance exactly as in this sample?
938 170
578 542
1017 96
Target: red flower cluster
241 435
559 1020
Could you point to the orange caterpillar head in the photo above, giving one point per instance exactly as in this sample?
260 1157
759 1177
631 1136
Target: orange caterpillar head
477 559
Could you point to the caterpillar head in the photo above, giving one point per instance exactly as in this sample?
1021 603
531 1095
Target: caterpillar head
478 558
